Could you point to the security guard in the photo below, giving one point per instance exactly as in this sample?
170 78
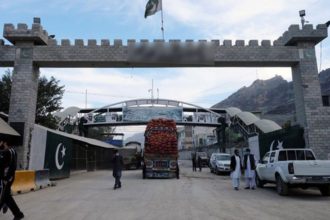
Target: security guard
8 157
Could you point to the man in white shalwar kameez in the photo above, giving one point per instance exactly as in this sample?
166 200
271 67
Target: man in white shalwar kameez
249 164
236 169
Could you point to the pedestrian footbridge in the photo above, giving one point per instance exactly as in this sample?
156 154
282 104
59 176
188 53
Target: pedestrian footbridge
140 111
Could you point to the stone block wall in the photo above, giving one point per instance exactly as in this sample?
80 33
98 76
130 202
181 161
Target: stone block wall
33 48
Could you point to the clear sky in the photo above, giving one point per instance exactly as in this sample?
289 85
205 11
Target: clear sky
184 19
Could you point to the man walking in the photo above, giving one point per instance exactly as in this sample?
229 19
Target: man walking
200 163
117 164
249 164
193 158
236 169
8 163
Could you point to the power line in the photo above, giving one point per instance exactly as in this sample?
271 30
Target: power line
86 99
99 94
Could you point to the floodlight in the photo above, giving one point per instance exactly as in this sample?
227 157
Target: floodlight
302 13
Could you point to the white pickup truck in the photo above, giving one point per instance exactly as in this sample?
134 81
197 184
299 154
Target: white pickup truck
289 168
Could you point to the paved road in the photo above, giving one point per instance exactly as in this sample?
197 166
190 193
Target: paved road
199 195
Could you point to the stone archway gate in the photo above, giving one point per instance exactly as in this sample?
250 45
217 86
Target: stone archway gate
33 48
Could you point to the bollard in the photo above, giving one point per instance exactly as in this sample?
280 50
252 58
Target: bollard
24 182
42 179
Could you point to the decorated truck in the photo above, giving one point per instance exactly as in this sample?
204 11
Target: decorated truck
131 153
160 157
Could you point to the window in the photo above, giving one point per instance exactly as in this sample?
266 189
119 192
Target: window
309 155
265 159
326 100
282 156
291 155
300 154
272 157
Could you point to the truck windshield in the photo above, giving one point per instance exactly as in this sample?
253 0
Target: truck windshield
222 157
202 154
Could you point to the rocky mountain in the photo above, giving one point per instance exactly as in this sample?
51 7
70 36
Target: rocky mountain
324 77
274 97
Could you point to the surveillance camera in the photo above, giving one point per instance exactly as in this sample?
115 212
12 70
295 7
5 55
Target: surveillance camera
302 13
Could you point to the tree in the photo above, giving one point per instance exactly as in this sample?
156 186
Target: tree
5 89
49 99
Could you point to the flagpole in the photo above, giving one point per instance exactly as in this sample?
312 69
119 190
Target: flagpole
162 17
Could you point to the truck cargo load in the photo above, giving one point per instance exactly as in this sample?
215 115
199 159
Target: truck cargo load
161 149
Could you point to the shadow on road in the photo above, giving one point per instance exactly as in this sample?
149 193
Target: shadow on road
298 194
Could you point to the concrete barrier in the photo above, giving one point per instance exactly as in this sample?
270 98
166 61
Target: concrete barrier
24 181
42 179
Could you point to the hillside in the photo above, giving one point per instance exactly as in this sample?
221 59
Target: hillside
324 77
274 97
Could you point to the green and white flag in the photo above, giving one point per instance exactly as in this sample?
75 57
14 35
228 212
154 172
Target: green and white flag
152 7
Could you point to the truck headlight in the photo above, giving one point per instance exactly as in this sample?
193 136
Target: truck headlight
149 163
173 164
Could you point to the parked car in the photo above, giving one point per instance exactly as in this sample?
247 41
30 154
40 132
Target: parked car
289 168
219 163
203 156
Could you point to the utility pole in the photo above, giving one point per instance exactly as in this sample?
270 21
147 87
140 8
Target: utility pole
152 89
86 98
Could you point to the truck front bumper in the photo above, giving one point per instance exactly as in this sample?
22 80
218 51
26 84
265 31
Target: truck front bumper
160 174
223 169
310 180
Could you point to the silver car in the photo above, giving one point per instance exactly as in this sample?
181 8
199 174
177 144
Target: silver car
220 163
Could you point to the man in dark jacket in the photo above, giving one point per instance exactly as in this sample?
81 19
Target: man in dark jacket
8 161
236 169
81 127
117 164
249 164
200 163
193 159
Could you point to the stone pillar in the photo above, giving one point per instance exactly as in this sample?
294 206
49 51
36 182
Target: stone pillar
308 100
310 112
24 89
306 84
23 98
